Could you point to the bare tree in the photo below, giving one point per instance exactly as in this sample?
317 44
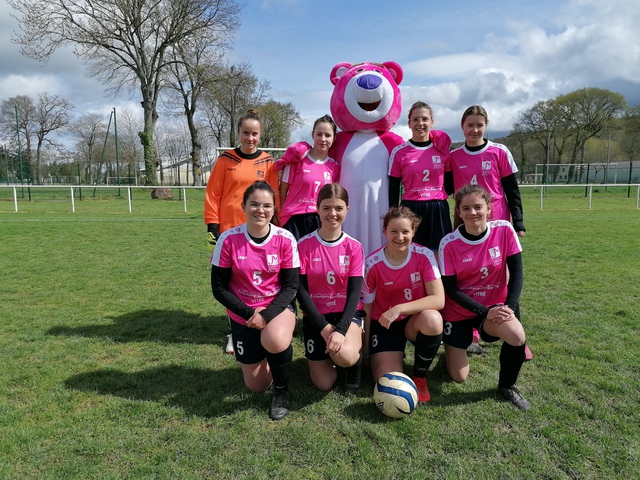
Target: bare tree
173 146
125 41
90 130
52 113
192 72
131 155
236 89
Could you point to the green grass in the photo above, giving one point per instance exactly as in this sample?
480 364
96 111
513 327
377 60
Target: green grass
112 362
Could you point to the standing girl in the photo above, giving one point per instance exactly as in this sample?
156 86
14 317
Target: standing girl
481 265
491 166
255 276
331 270
305 171
402 294
234 171
420 167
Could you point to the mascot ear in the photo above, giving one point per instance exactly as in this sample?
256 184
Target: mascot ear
338 71
395 70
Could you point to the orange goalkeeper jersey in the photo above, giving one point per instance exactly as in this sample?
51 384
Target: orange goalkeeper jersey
232 174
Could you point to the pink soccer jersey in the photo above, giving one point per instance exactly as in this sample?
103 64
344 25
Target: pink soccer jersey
386 285
255 267
305 179
328 266
421 170
486 168
479 266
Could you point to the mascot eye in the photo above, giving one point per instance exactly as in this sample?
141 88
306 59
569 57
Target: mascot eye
360 70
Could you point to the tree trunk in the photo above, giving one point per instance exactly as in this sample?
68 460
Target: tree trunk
149 149
196 149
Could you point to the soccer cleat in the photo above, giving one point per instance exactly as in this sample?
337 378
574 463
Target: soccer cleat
423 392
512 395
475 349
229 348
527 353
279 404
352 378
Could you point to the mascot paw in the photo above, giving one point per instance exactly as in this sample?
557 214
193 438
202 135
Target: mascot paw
441 140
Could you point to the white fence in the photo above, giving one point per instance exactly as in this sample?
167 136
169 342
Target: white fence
544 189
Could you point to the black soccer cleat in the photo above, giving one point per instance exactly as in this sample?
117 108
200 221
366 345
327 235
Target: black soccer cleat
279 405
511 394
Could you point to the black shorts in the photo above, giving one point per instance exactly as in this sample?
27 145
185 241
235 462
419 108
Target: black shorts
302 224
435 224
314 344
460 334
247 344
392 340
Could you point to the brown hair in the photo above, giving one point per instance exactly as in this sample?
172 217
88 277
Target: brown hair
463 192
401 212
475 110
333 190
421 105
262 185
325 119
252 114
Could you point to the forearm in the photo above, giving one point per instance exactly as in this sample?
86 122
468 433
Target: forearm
516 279
289 280
220 288
514 200
394 191
354 284
461 298
308 307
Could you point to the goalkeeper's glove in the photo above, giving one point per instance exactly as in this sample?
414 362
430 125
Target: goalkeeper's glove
212 235
211 241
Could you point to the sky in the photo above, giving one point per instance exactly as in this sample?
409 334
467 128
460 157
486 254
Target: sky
504 55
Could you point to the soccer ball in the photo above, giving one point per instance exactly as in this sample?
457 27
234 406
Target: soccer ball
395 395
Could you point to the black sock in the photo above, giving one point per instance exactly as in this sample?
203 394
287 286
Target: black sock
426 347
511 360
353 372
280 365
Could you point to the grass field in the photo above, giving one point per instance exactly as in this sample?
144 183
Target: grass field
112 362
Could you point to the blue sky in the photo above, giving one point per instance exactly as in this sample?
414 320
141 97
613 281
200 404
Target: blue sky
503 55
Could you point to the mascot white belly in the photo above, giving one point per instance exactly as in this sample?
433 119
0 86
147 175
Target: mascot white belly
364 175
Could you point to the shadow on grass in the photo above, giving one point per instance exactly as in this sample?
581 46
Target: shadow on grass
198 391
154 325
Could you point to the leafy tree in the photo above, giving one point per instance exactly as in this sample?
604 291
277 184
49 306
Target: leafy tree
18 112
568 121
593 111
630 127
278 120
125 42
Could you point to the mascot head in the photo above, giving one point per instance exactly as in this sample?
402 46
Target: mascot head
366 96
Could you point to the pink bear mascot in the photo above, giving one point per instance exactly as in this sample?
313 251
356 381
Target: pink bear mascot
365 104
